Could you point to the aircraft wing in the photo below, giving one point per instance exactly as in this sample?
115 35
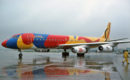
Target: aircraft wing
119 42
93 44
118 39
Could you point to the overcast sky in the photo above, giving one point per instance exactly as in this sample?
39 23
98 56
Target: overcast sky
64 17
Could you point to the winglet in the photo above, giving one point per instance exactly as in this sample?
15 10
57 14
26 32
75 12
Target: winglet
106 34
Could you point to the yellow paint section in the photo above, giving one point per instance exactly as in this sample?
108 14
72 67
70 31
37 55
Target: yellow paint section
19 71
106 34
92 38
73 71
102 40
21 44
73 40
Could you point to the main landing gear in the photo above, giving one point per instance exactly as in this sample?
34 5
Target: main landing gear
80 54
65 54
20 55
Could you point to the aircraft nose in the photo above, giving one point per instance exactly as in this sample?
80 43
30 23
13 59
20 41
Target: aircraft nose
4 43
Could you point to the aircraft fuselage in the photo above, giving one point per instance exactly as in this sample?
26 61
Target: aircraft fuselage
33 40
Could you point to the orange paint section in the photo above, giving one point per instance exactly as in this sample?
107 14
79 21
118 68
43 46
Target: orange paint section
102 40
106 34
73 40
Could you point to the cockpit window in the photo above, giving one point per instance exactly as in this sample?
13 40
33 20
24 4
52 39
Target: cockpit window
16 36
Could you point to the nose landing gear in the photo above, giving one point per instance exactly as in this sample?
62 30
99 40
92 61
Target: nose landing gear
20 55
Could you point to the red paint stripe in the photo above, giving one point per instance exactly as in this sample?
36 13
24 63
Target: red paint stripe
54 40
27 38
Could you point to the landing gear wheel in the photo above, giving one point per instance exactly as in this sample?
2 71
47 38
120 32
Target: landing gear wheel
48 50
65 54
20 55
80 54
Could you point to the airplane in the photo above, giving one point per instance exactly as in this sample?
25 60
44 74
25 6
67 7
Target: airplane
77 44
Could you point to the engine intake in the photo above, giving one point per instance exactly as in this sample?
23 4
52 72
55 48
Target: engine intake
106 48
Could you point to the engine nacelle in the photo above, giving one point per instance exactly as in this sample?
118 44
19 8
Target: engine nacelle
106 48
79 49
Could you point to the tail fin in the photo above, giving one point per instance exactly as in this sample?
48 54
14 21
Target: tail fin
106 34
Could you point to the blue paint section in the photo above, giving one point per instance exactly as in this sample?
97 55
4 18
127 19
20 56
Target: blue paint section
39 40
38 74
75 37
11 73
12 43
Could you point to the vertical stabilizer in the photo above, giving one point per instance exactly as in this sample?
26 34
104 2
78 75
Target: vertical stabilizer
106 34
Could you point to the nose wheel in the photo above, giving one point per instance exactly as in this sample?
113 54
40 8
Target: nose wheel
20 54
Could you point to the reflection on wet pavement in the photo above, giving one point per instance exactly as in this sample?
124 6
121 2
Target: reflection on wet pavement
48 67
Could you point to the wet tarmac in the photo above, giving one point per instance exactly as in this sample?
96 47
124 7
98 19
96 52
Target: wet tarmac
52 66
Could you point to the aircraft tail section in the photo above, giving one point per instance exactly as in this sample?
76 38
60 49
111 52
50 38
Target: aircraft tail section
106 34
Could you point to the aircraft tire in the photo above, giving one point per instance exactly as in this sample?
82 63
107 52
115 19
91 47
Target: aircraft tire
80 54
65 54
20 56
48 50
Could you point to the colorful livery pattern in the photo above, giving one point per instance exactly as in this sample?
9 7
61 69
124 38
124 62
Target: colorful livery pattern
32 40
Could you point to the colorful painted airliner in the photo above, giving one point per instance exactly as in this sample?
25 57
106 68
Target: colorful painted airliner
77 44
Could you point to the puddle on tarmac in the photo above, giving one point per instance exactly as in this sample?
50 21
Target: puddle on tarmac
48 67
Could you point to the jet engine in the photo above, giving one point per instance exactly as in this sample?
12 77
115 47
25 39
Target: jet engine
79 49
106 48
